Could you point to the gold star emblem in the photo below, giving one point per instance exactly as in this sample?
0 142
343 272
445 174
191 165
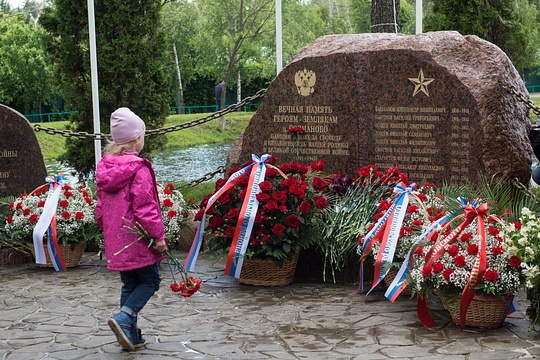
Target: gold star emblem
421 83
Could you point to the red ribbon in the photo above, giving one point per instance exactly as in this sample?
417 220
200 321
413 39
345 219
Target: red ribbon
477 272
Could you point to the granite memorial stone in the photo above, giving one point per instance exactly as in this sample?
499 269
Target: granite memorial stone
21 163
436 105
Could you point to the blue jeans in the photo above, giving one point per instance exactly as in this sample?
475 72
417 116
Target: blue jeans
138 286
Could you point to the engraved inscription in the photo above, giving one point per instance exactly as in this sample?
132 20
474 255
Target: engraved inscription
318 122
407 137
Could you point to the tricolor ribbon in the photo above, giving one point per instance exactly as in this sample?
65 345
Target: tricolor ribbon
47 223
387 229
245 220
470 213
399 283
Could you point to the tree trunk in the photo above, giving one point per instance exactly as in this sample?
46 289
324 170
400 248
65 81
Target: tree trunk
180 94
239 89
385 16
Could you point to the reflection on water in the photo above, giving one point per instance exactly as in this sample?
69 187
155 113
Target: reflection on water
189 164
172 165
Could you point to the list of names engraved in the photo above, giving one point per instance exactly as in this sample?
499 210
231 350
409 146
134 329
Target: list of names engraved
408 137
318 140
4 175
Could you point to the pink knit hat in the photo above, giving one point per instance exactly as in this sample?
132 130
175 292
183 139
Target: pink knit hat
126 126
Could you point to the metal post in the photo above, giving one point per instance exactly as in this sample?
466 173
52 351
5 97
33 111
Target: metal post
419 16
94 77
279 49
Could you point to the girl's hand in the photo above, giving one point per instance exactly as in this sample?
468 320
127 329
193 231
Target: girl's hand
160 246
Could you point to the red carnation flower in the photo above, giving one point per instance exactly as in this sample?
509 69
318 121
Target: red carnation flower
172 214
26 211
88 200
63 203
459 261
68 194
10 218
515 262
472 249
296 130
438 267
426 271
466 237
517 225
167 203
169 186
417 223
411 209
33 219
453 251
493 231
79 215
66 215
422 197
447 273
405 231
491 275
167 191
497 250
18 206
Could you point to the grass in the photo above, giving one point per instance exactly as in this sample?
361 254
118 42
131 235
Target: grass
53 146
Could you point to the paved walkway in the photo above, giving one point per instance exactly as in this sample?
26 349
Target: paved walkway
50 315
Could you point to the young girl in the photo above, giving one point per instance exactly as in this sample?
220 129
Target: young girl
127 194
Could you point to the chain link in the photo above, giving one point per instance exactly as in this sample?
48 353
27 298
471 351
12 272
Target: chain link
100 136
205 177
216 115
524 99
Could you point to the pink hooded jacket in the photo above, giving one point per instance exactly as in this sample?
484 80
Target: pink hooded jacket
126 188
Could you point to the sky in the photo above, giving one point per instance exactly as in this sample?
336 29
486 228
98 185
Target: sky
16 3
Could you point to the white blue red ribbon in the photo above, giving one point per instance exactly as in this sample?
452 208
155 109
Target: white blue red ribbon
47 223
245 221
399 284
391 233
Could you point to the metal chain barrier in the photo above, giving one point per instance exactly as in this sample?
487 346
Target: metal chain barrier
205 177
524 99
216 115
196 122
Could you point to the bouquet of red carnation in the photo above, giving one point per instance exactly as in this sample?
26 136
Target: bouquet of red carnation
288 216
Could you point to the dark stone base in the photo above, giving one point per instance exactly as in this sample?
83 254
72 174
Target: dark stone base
11 256
311 264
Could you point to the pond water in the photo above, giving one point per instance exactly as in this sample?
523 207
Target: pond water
171 165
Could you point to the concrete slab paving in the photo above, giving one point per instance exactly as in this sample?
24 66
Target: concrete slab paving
49 315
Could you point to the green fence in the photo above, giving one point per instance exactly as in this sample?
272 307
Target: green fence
48 117
59 116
